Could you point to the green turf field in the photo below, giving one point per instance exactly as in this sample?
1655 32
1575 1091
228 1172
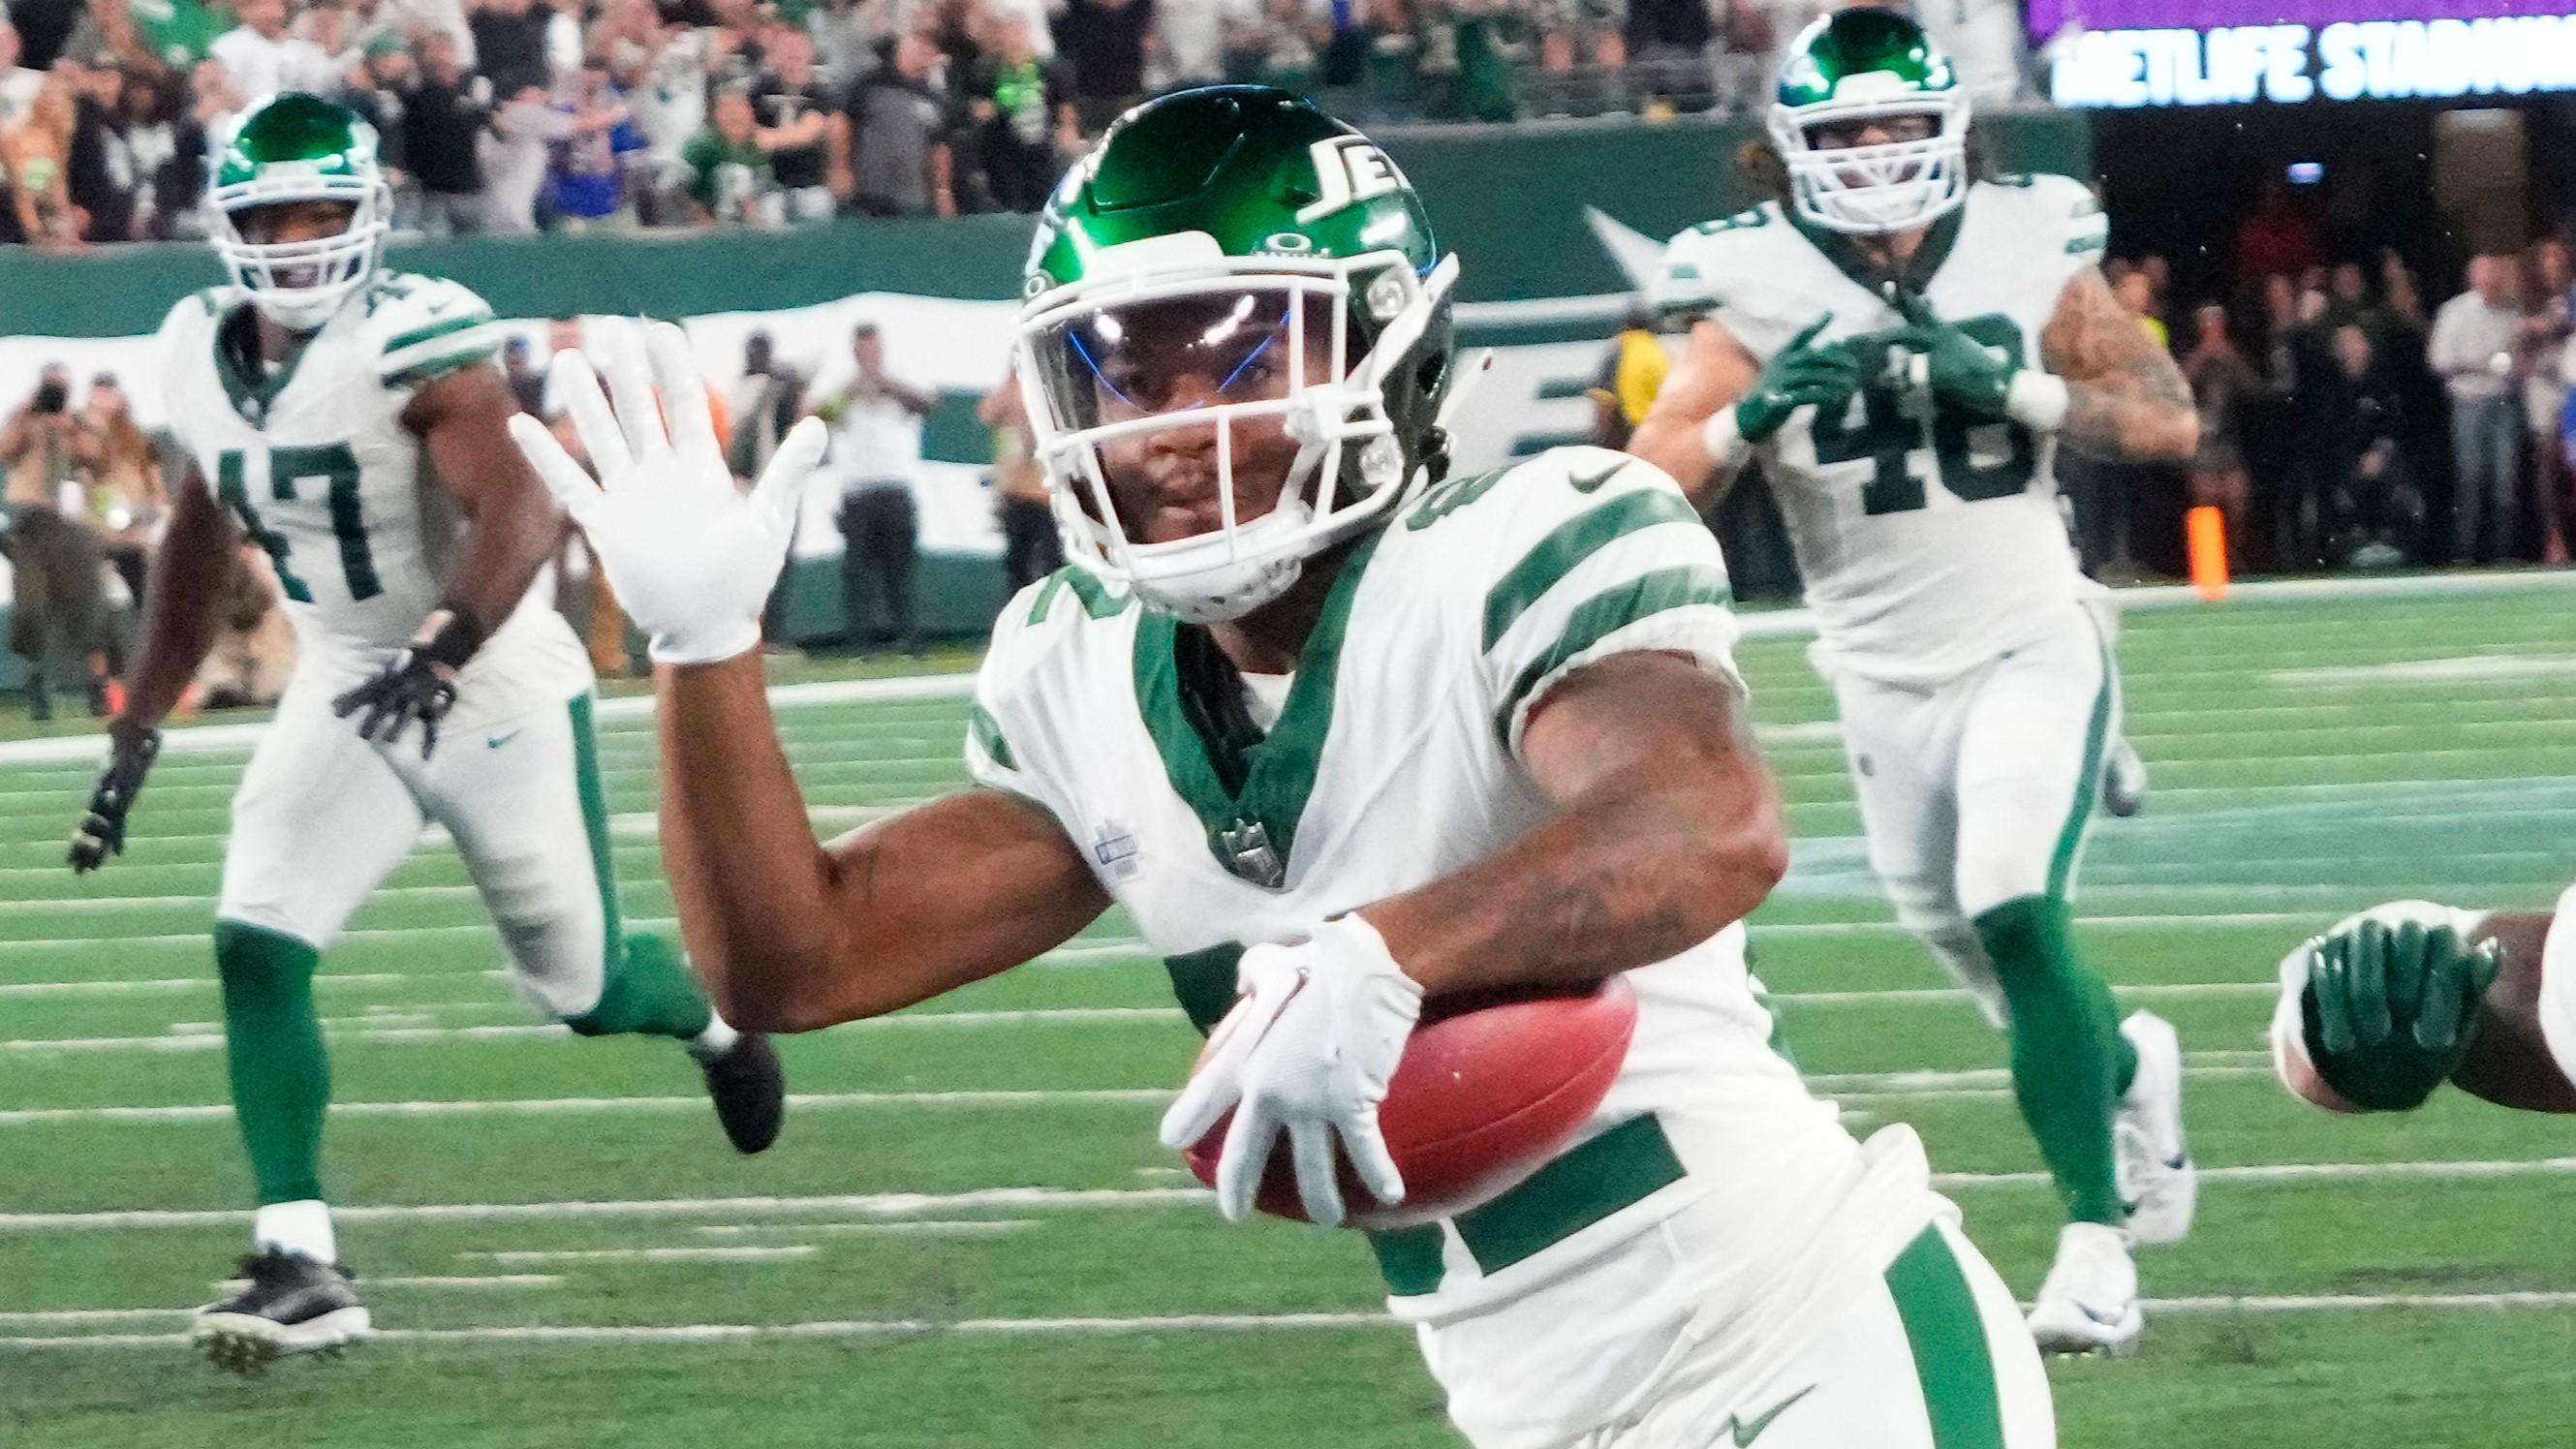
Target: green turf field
968 1236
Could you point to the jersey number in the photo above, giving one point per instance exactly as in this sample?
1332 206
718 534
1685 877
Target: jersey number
332 467
1890 430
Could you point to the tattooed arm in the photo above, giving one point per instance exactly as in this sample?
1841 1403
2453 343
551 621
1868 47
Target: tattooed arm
1667 829
2125 399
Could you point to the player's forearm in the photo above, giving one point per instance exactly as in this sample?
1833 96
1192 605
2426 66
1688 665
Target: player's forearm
748 878
1625 879
1672 442
2143 416
188 576
2509 1061
516 533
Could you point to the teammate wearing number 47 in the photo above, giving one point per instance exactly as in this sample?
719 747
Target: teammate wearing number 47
349 421
1905 346
1342 737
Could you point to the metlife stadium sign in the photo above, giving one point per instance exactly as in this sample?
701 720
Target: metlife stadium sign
2131 53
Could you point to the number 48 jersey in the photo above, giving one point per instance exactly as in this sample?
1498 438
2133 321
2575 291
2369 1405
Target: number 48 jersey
1929 541
313 463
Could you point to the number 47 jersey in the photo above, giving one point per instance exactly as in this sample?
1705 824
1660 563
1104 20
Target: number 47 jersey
312 462
1929 542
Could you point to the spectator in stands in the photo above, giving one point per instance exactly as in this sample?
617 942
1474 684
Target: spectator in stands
2372 512
1031 548
518 161
849 38
212 100
126 501
2223 386
901 119
1671 42
2472 351
445 117
1024 122
957 29
1582 47
588 167
566 47
259 55
1189 42
1104 42
419 20
18 83
2279 235
328 27
2546 329
526 380
800 128
102 180
169 153
729 177
663 73
1281 43
876 445
510 44
375 89
54 621
35 156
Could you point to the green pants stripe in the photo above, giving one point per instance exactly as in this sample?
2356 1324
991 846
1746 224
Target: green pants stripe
1951 1357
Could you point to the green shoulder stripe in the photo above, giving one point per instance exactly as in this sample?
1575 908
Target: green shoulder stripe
1573 541
988 737
430 369
1608 612
1097 601
440 328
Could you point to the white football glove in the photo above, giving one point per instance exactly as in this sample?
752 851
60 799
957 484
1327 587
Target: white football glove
691 556
1308 1051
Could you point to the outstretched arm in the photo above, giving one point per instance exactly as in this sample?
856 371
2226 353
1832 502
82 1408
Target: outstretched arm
1667 830
1714 374
791 935
2125 399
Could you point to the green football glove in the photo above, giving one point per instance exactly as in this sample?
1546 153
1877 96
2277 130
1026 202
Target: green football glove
1799 375
1963 373
2392 1001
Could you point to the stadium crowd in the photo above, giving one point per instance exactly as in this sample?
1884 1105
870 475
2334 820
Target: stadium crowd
510 115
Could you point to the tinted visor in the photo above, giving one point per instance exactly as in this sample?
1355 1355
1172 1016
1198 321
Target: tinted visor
1231 344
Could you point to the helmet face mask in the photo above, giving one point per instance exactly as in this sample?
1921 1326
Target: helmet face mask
285 154
1871 125
1231 365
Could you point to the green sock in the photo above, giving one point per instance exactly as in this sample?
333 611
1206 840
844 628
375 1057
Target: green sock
281 1076
2069 1061
648 993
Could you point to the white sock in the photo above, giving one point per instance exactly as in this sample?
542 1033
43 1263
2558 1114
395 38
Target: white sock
715 1041
297 1227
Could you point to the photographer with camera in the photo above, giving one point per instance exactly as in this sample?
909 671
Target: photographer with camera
48 452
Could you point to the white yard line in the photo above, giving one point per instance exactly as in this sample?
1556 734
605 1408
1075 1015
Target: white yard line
551 1106
908 1205
1183 1323
390 1029
936 1228
533 1258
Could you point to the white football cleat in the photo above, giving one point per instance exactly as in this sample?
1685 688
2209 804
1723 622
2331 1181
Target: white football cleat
2124 780
2157 1181
2090 1302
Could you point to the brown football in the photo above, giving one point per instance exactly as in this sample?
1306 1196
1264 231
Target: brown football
1491 1086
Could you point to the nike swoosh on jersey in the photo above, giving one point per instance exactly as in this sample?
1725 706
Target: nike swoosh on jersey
1591 482
1745 1433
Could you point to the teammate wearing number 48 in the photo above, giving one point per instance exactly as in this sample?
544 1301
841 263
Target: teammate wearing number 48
349 421
1905 345
1343 737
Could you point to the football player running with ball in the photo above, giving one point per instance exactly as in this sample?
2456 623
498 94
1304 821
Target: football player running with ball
347 419
1342 737
1905 347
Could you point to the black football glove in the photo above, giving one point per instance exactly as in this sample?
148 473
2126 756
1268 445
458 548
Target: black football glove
101 832
418 684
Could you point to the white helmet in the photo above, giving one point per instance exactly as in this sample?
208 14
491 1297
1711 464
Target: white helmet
1857 66
294 147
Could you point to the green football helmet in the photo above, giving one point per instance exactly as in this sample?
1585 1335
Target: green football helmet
293 147
1845 71
1235 272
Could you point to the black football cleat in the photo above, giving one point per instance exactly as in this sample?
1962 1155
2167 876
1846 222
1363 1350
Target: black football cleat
750 1092
288 1305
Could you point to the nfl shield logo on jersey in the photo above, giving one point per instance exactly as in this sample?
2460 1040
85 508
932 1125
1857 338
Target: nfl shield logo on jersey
1248 854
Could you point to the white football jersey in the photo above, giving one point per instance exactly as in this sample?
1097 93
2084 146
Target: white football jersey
312 462
1928 541
1392 763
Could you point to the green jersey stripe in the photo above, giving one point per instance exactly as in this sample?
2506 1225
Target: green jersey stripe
987 732
1608 612
1579 538
440 328
432 368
